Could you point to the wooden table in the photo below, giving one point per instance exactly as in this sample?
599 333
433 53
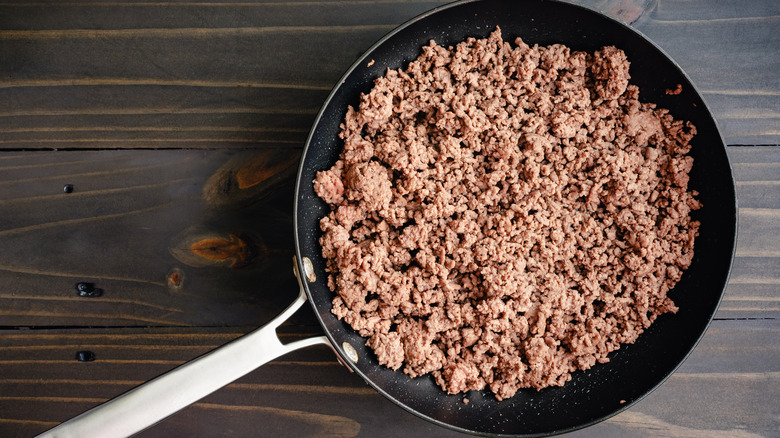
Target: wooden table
133 132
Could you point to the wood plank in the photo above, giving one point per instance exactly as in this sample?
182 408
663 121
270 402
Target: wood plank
721 389
128 223
117 15
757 174
78 76
759 232
752 289
81 75
127 227
163 115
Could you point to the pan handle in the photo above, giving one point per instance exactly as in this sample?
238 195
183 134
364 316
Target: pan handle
155 400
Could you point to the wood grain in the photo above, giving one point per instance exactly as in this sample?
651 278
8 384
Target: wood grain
754 282
104 82
133 216
719 387
76 76
122 227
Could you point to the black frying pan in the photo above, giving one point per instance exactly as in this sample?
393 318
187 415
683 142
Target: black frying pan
592 395
634 370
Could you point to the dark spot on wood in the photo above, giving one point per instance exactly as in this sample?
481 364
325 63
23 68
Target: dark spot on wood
85 356
175 278
68 188
85 289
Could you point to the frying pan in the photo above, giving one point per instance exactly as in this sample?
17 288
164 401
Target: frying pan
592 395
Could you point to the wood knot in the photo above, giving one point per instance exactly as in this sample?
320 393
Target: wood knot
246 179
201 249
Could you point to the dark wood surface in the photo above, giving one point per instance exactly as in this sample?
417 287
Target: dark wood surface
180 124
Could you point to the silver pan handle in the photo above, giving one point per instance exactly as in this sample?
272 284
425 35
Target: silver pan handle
155 400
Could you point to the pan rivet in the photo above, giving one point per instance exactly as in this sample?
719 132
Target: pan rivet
308 269
351 352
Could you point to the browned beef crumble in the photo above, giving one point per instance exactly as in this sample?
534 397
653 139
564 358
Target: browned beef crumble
504 215
674 91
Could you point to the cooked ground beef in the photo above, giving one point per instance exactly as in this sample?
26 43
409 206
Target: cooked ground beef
504 215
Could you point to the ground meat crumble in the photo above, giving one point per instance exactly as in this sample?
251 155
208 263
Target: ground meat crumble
504 215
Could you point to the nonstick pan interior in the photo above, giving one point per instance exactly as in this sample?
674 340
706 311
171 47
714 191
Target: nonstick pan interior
634 370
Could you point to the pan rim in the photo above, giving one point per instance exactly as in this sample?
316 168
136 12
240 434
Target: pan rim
299 180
